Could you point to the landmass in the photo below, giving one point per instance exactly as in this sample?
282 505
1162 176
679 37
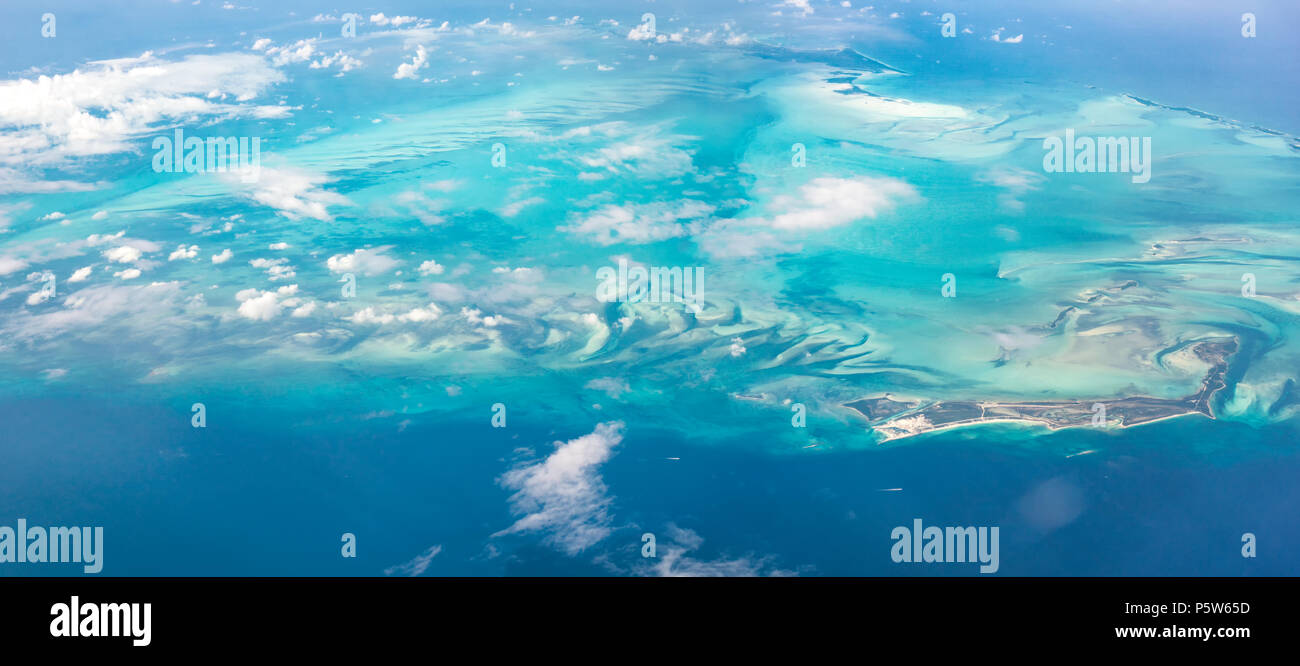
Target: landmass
895 417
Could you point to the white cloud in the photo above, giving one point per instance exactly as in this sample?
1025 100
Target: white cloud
564 495
276 269
123 254
128 274
416 566
640 223
99 239
304 50
300 51
802 5
223 256
183 252
366 262
420 206
672 560
429 313
828 202
395 21
101 311
431 267
345 62
641 33
647 155
614 387
407 70
512 209
261 305
101 107
370 315
80 274
821 203
10 264
37 297
1015 181
294 193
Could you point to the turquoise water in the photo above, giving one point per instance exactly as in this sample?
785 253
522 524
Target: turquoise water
822 170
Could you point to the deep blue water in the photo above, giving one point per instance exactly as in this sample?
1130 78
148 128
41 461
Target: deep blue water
264 498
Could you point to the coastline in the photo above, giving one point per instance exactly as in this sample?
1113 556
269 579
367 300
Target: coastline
896 417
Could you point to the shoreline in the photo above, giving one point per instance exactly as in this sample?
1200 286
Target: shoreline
897 417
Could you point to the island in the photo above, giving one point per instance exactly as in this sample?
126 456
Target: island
896 417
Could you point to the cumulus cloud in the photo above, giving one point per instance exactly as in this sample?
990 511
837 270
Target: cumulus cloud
395 21
124 254
304 50
261 305
101 107
294 193
827 202
365 261
100 239
298 52
564 496
223 256
639 223
803 6
343 61
370 315
646 154
407 70
821 203
183 252
276 269
641 33
41 295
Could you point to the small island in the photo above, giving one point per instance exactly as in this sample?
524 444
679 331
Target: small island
896 417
